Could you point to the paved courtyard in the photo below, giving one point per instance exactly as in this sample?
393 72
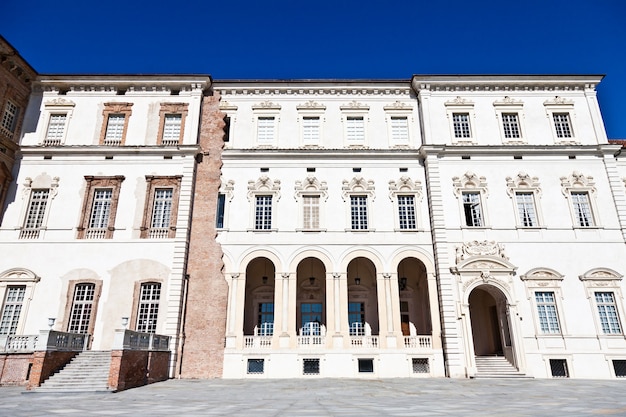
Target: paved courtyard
334 397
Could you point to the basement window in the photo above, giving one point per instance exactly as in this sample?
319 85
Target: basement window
256 366
310 366
559 368
366 365
421 366
619 366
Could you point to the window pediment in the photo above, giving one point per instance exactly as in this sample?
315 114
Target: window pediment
469 180
19 275
357 185
266 105
311 185
228 188
264 185
405 185
355 106
578 181
311 105
522 181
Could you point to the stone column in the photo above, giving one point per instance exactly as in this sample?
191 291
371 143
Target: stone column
282 305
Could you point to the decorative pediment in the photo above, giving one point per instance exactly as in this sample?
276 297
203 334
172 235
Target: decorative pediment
227 188
404 185
476 248
115 107
19 275
357 185
311 105
311 185
398 106
558 101
459 101
508 101
542 274
521 181
60 102
600 274
577 180
225 105
469 180
355 105
266 105
264 185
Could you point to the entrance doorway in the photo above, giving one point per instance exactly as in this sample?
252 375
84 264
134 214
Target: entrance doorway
490 324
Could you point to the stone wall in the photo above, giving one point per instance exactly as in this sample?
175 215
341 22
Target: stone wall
134 368
14 368
202 349
46 363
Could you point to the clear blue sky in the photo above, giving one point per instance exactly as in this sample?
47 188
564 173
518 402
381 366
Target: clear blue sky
328 39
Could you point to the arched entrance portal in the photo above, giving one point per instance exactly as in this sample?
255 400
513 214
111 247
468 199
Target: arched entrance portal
490 322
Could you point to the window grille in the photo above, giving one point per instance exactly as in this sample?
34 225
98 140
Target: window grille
510 125
310 130
311 214
472 209
420 366
358 212
265 129
82 306
355 128
546 309
399 129
562 125
366 365
256 366
526 209
582 209
619 366
461 125
171 129
148 310
56 129
559 368
607 310
310 366
406 211
115 129
263 212
11 309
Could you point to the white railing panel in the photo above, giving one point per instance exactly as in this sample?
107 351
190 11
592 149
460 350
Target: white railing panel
257 342
311 341
364 341
415 342
21 343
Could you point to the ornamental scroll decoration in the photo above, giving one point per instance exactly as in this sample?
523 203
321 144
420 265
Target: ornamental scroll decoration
264 185
358 184
469 180
405 185
476 248
311 185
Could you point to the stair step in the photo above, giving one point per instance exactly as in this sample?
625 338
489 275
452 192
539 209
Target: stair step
86 372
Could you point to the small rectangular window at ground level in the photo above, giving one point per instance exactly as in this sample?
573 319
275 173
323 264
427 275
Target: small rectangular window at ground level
366 365
558 367
420 366
256 366
619 366
310 366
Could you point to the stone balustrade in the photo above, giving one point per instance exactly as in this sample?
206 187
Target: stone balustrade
132 340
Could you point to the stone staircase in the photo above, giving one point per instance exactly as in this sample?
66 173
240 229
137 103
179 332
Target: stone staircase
495 367
86 372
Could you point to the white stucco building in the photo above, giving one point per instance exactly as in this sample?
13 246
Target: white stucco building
96 223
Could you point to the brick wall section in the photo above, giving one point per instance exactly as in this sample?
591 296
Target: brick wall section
46 363
134 368
14 368
202 353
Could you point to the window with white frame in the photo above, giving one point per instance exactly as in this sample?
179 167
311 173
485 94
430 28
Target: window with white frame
311 117
310 193
310 130
172 118
543 287
471 190
82 308
11 309
560 112
115 125
460 112
9 118
607 312
547 312
37 195
100 207
266 118
56 129
115 129
525 190
354 117
399 129
405 193
358 192
263 194
603 289
398 117
148 308
510 112
58 113
265 129
355 129
171 129
161 207
580 190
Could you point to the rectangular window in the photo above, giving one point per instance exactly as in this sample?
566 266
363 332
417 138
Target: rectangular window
311 316
420 365
526 209
310 130
263 212
265 320
82 306
11 309
310 366
472 209
226 128
161 213
461 125
100 212
366 365
256 366
358 212
510 125
9 118
355 129
399 129
148 310
607 310
562 125
546 310
311 211
115 129
265 129
171 129
619 366
56 129
558 367
406 212
582 209
356 319
221 205
35 214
